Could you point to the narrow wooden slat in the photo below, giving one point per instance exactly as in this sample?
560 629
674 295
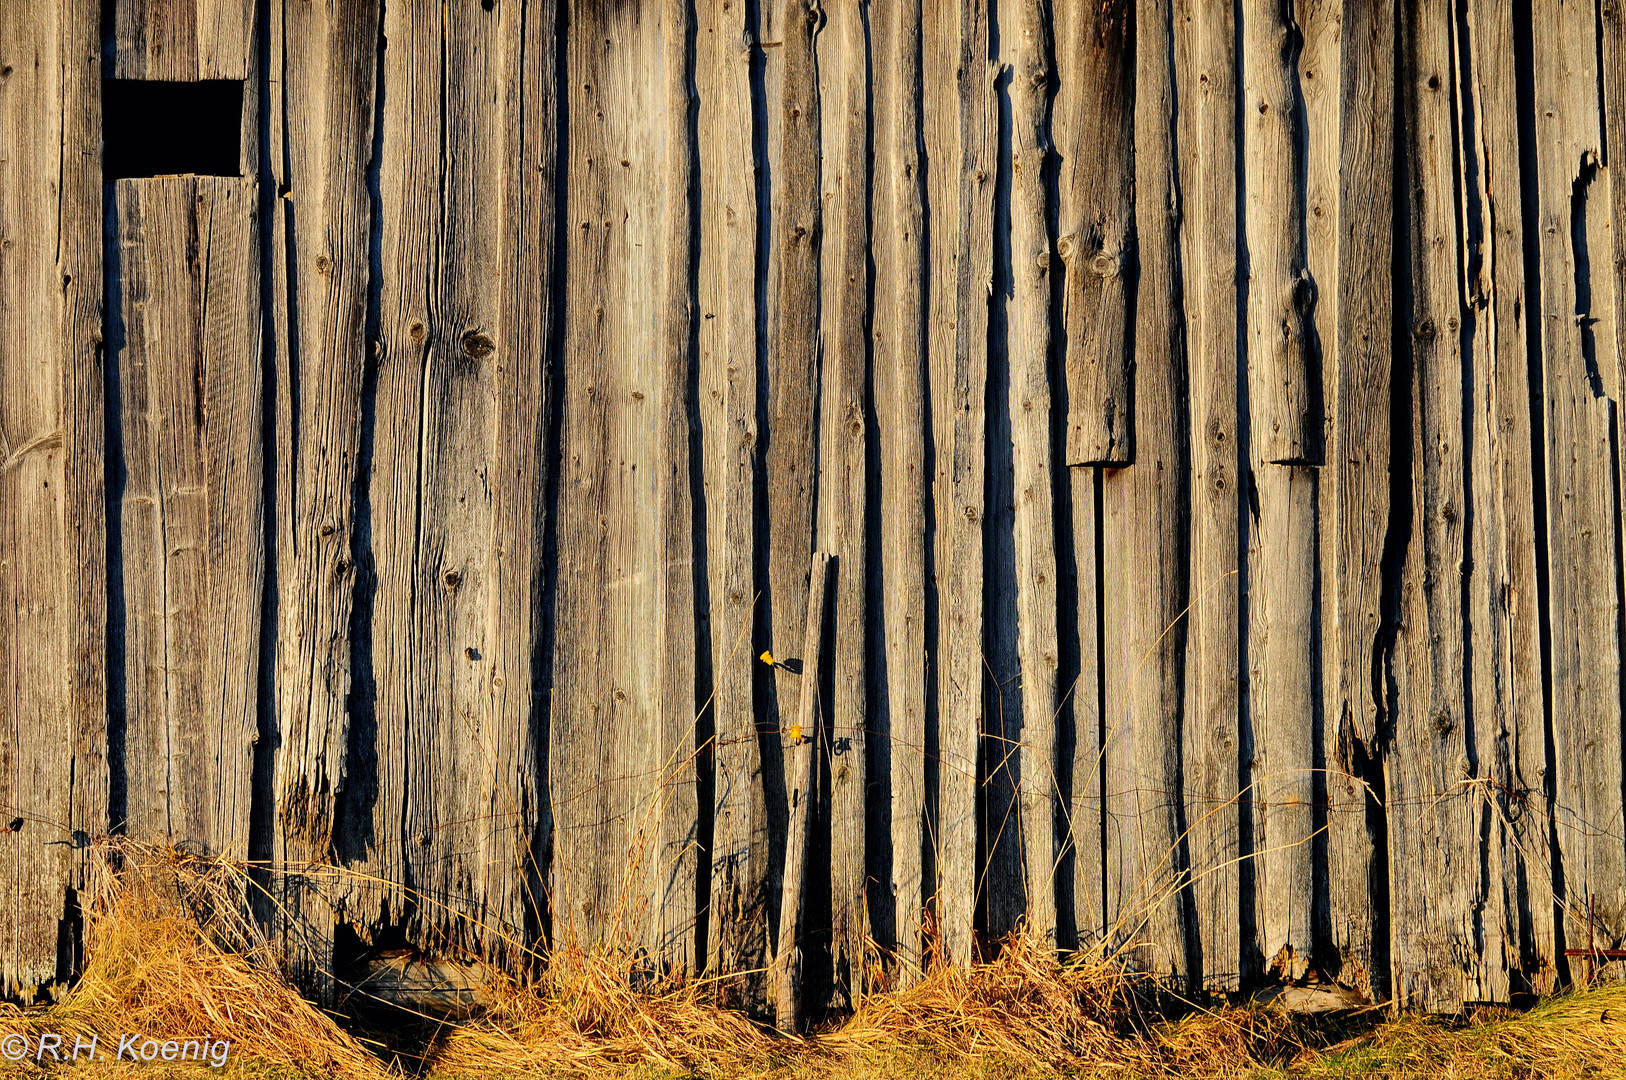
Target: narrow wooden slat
738 932
1435 818
1146 530
1580 458
1206 65
1355 502
1503 616
622 751
1035 539
182 40
1283 371
801 782
331 56
1284 428
843 469
1280 649
790 452
189 378
900 386
1094 132
959 377
1084 810
53 602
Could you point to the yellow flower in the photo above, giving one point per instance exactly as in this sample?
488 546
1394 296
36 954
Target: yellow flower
766 657
796 733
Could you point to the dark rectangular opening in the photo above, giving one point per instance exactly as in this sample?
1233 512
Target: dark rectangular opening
168 128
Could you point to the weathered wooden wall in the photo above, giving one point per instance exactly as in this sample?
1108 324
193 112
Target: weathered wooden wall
1210 407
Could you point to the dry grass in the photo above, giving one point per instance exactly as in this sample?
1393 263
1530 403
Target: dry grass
169 951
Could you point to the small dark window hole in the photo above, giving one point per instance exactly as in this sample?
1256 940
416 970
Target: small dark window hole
167 128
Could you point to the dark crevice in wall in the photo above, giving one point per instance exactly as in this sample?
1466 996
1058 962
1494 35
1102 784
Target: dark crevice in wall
542 670
262 798
114 479
357 796
705 727
1524 66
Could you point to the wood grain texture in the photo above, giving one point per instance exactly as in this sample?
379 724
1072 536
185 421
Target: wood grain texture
182 40
1206 68
1355 496
1147 539
1503 617
899 357
622 750
1436 815
738 931
959 384
1284 430
53 764
191 507
1093 116
1580 425
1083 813
1281 643
458 472
1030 405
844 472
805 743
1283 369
790 458
330 56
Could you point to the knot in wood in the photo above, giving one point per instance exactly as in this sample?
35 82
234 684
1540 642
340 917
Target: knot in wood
477 345
452 579
416 333
1443 722
1104 265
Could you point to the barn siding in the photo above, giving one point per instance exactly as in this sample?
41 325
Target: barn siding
1211 409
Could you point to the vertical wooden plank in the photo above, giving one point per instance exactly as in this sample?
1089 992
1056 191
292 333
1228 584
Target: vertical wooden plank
182 40
843 466
1435 861
959 376
622 753
1355 504
801 782
191 506
1094 134
1580 424
1035 540
458 475
1146 558
790 454
1284 429
737 941
900 385
1084 811
52 558
329 55
1283 372
1205 36
1503 620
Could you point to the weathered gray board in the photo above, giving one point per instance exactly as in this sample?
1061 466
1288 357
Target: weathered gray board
1212 468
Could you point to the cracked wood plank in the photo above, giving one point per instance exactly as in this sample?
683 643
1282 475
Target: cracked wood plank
456 479
182 40
1581 428
737 938
1146 533
1093 116
898 337
843 469
1355 496
1207 69
959 377
622 757
53 602
330 55
1504 621
191 507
